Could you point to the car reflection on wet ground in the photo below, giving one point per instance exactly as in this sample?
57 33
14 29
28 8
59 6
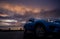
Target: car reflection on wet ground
18 35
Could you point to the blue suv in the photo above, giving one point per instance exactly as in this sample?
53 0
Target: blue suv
41 27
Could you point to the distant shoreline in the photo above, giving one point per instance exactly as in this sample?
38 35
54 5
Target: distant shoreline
10 30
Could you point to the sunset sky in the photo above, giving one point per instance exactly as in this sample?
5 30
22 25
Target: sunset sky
29 8
25 9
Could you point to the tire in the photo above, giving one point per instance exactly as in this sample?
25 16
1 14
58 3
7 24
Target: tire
39 32
40 29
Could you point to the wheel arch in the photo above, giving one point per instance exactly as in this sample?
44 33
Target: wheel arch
41 25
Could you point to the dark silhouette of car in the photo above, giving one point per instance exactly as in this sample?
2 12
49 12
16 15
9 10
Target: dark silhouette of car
41 27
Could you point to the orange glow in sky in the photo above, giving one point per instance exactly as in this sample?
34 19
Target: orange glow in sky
3 15
19 9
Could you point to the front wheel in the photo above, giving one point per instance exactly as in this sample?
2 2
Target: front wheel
39 32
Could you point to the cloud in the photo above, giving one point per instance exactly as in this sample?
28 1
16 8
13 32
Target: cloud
55 13
20 9
4 15
23 9
43 4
